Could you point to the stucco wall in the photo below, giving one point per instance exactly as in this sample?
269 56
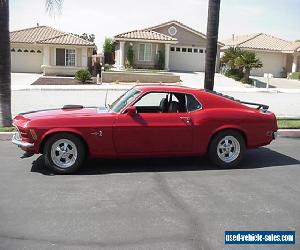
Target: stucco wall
188 39
272 63
184 37
61 70
140 77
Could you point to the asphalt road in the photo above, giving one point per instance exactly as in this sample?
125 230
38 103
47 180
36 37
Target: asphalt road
148 204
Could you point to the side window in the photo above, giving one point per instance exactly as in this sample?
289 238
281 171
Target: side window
160 102
192 103
151 99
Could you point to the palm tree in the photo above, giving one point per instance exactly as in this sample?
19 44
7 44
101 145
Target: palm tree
212 43
52 6
5 85
230 56
247 61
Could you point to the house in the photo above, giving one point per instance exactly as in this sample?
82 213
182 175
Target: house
183 47
45 49
277 55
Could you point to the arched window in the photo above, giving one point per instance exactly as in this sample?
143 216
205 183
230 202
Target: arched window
13 50
32 51
19 50
26 50
39 51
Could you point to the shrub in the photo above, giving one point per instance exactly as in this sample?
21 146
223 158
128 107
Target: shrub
235 74
161 60
129 58
83 75
107 67
295 75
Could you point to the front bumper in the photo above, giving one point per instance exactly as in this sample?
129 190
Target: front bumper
16 139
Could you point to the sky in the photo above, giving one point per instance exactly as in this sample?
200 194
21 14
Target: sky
280 18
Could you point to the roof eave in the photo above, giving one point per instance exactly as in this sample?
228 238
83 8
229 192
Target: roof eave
145 40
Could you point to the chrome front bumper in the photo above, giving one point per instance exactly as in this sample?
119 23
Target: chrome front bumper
16 139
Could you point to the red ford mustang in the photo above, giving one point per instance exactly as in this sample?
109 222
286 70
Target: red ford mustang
147 121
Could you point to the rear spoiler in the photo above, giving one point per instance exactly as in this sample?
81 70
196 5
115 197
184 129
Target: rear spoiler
260 106
263 107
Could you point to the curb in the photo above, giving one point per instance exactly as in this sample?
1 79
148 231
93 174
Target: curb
6 136
294 133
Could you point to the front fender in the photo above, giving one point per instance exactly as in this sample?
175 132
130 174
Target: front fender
41 141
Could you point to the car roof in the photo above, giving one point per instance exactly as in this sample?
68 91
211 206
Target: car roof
165 87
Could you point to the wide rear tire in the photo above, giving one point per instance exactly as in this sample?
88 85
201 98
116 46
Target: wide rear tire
227 149
64 153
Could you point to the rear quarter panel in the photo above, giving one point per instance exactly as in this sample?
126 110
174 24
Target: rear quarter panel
251 123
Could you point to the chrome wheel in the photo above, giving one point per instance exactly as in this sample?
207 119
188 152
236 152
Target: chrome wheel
64 153
228 149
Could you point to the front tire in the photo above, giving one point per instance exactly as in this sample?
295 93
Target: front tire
64 153
227 149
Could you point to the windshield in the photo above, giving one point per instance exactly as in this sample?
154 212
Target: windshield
123 100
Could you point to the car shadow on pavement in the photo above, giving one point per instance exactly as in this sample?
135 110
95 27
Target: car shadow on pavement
257 158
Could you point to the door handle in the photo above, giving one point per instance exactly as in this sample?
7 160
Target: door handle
187 120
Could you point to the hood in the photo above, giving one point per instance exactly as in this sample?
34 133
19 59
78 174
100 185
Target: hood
66 111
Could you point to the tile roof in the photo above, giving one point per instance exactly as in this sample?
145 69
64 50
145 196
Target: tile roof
46 35
295 46
258 41
237 40
146 35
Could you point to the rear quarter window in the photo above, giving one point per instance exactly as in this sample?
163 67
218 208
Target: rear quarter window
192 103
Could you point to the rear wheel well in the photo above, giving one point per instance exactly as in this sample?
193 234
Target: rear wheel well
228 129
42 145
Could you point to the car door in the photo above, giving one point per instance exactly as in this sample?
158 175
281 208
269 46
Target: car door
153 130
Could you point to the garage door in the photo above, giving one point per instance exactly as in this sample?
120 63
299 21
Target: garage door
25 60
187 59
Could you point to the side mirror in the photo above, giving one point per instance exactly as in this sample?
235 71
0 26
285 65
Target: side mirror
131 110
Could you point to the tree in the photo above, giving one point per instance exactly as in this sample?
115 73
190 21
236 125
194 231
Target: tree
212 43
5 78
229 57
248 60
52 6
87 37
108 46
108 50
129 57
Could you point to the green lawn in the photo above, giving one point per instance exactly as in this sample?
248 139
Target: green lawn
288 123
281 122
7 129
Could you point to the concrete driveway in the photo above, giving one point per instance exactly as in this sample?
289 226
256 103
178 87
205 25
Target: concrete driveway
196 80
23 80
